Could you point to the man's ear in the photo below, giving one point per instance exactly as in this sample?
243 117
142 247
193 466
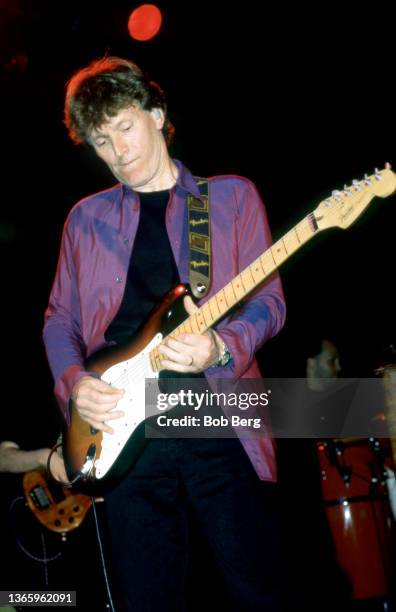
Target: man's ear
159 117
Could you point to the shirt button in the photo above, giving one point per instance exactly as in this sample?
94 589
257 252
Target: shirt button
118 279
126 240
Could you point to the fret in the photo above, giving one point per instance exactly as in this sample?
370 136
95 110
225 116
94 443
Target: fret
194 324
229 295
221 302
254 274
267 261
216 314
264 265
200 321
278 253
340 210
238 288
257 271
295 229
247 280
249 269
188 326
305 229
155 359
234 295
202 318
207 314
291 242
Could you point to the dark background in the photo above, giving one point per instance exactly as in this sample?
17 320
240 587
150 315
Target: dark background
300 100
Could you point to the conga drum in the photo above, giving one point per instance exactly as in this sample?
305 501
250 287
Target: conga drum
389 377
354 491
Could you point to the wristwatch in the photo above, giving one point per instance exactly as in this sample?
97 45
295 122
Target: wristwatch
225 356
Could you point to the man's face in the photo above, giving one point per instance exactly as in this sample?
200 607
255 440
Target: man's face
327 363
132 145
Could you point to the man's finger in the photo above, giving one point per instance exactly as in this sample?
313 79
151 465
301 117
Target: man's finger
177 367
189 305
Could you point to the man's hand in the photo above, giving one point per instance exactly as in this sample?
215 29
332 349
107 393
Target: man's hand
96 402
16 461
191 352
56 467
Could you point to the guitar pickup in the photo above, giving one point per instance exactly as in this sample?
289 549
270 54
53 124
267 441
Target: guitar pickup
40 498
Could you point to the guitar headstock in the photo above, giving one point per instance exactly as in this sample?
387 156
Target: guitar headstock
342 208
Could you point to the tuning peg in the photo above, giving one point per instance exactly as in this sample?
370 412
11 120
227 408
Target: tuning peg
377 175
337 195
388 166
357 185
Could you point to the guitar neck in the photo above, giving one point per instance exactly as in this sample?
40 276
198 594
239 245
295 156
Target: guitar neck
244 283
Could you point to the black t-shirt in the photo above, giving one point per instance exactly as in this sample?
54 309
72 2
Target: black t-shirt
152 268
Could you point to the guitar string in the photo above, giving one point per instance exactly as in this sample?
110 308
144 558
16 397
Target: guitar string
304 222
140 368
300 231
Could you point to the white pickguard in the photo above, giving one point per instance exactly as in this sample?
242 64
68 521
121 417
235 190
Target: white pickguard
129 375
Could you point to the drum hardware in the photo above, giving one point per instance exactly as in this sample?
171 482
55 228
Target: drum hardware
334 452
354 482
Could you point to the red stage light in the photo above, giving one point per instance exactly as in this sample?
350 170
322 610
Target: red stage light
144 22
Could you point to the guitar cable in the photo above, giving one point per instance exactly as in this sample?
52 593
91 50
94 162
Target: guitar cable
110 604
44 559
68 484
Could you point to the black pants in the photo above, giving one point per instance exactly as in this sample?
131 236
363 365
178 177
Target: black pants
179 482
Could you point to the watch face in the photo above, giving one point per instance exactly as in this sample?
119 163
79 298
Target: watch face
225 358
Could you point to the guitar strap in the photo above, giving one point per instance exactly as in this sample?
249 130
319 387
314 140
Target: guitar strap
199 239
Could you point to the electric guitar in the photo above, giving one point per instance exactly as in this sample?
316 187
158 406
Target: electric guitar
101 457
56 507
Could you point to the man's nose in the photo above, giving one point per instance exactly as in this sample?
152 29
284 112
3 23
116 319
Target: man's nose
120 147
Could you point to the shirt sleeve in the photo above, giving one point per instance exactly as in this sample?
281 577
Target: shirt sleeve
62 327
263 312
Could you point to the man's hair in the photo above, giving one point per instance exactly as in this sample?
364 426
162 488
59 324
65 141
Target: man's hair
314 346
102 89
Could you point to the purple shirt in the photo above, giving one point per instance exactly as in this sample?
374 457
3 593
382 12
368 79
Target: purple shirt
97 241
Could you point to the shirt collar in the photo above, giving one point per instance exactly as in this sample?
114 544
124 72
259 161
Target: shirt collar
185 179
185 183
